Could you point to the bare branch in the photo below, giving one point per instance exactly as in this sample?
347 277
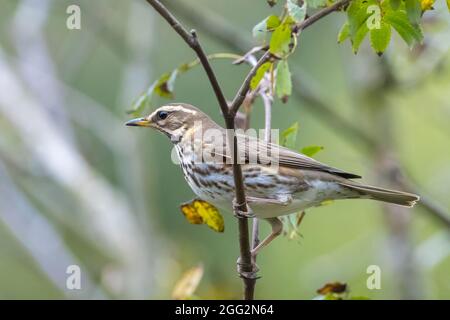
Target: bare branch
174 23
320 14
245 87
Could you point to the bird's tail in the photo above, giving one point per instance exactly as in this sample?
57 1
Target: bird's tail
385 195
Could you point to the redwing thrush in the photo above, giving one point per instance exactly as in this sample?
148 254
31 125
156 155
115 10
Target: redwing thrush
296 182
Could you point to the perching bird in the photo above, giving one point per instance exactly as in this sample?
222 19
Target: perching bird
278 181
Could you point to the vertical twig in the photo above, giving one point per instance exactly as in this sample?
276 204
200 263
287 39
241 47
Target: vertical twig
265 91
267 101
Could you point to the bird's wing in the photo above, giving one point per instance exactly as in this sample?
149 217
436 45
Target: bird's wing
269 153
254 150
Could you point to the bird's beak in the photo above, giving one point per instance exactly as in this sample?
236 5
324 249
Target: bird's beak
139 122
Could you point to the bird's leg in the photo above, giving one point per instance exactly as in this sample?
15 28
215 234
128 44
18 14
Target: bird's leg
277 228
283 200
242 214
247 274
241 268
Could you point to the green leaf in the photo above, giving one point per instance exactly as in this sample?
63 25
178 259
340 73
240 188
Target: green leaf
289 136
395 4
260 30
414 10
143 101
297 12
332 296
283 86
281 38
259 75
358 13
380 38
139 105
448 5
358 38
412 34
344 33
151 89
273 22
165 85
309 151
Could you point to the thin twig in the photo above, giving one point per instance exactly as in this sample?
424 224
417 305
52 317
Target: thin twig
267 99
320 14
245 87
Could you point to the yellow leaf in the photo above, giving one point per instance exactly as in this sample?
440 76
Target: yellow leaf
191 214
188 283
199 211
427 4
448 5
333 287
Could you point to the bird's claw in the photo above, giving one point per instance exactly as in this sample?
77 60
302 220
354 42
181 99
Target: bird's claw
243 271
242 214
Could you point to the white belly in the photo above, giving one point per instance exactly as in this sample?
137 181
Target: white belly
319 192
218 188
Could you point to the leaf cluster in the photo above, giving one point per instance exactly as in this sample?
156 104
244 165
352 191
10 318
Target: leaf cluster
378 18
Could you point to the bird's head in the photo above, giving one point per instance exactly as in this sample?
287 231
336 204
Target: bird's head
174 120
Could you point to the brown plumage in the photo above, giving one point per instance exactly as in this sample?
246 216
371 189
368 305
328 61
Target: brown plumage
277 180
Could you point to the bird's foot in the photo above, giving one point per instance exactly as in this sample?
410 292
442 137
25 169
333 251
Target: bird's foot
242 214
248 271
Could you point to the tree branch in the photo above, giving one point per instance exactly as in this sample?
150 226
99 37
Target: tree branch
245 87
320 14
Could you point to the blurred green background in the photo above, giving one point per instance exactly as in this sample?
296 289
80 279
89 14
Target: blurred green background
78 187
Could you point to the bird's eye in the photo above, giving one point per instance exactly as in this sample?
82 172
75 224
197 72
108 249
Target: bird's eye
162 115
